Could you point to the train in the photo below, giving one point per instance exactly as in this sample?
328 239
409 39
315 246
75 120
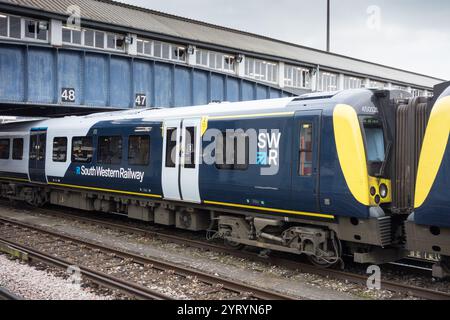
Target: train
361 172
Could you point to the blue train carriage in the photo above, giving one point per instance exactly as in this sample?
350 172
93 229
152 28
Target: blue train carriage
307 175
428 227
329 188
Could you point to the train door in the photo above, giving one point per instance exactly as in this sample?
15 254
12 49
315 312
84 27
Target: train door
181 156
305 177
36 165
171 160
189 159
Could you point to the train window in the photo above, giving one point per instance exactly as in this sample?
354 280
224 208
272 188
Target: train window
4 149
306 150
60 149
139 150
109 150
189 148
171 144
17 149
232 151
82 149
373 130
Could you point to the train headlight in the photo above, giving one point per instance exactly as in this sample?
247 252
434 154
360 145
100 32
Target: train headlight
384 191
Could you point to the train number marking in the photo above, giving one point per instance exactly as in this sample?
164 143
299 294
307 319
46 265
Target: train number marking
68 95
367 109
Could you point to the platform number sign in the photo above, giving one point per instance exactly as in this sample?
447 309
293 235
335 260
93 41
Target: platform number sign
68 95
141 100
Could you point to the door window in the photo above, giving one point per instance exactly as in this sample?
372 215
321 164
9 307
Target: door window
33 147
41 147
189 148
306 150
171 145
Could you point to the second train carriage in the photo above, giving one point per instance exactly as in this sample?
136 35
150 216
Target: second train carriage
313 175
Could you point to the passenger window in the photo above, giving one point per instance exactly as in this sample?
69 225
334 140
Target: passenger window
59 150
82 149
232 151
171 144
306 150
109 150
18 149
4 149
139 150
189 148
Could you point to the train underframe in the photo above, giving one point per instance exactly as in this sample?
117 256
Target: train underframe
433 240
370 241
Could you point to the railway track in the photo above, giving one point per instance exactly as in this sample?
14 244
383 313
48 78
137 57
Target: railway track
7 295
130 273
415 291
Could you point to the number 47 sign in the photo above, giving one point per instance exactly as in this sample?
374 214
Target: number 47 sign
140 100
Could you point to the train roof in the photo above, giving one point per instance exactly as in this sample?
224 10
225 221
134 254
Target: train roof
212 111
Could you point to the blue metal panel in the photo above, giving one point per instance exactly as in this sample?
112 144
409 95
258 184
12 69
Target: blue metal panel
217 87
200 87
32 74
261 92
41 75
182 87
232 89
273 94
143 79
96 79
248 91
70 74
120 83
12 65
163 85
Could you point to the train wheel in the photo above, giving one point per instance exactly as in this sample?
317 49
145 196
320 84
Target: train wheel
233 245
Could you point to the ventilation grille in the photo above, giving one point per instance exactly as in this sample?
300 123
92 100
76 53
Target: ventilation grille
385 231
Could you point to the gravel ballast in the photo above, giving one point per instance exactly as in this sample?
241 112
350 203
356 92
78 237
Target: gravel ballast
31 284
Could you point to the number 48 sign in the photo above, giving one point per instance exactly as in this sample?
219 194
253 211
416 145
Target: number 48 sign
68 95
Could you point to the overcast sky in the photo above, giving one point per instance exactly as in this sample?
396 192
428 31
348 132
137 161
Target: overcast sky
408 34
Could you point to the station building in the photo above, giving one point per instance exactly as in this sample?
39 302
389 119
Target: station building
60 57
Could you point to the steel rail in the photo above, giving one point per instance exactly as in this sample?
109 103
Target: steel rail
100 278
418 292
8 295
227 284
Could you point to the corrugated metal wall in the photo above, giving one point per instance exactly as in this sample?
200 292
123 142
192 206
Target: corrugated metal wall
38 75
